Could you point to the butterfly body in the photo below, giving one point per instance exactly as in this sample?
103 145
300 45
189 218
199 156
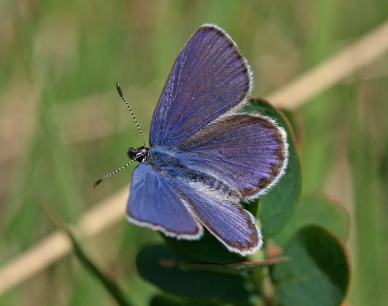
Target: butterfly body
172 164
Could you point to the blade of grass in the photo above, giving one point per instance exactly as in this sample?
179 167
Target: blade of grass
109 284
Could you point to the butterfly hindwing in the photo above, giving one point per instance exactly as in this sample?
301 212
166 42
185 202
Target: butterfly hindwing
154 203
222 215
246 151
208 78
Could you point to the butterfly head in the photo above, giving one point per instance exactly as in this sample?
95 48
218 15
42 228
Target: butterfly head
140 154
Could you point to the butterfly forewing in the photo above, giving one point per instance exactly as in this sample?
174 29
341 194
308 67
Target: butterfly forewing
154 203
208 78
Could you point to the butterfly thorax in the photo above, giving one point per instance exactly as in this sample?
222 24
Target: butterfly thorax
140 154
165 161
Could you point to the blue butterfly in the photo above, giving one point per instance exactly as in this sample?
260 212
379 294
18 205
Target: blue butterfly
204 157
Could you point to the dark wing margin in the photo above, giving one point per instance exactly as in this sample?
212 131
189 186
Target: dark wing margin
248 152
153 203
209 78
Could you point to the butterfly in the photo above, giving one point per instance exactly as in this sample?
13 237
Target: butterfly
205 158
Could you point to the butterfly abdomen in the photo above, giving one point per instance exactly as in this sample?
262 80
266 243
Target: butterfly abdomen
172 167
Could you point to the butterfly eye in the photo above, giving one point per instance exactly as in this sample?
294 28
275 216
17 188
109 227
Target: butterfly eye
140 154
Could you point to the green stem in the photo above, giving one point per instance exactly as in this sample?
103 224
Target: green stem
109 284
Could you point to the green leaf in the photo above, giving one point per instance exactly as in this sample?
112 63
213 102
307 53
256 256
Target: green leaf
315 209
206 249
277 207
160 266
252 206
231 267
169 300
165 300
318 273
294 120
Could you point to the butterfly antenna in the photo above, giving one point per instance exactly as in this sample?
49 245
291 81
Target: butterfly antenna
110 174
133 116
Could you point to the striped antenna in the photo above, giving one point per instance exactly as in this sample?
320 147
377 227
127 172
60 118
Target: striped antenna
141 133
110 174
133 116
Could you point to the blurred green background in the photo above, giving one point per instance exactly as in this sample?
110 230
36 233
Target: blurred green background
63 125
